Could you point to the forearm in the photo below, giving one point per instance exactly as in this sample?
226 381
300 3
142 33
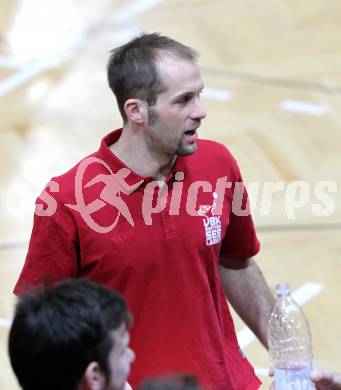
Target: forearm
247 291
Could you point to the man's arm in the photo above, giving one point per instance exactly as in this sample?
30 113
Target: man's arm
249 294
52 254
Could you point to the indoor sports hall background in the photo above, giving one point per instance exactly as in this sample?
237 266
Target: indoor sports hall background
272 73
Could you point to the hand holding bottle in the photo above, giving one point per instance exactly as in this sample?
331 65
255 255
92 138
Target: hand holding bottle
325 380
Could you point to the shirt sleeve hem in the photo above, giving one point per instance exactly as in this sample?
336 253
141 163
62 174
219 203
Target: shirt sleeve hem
239 255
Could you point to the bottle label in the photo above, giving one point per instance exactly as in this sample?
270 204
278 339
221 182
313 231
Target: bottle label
297 378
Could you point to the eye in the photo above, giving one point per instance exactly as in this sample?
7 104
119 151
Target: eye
184 99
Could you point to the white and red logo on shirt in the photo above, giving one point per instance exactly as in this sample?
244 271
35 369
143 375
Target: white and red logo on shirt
212 223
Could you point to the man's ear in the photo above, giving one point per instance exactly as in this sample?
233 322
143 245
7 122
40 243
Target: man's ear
94 377
135 110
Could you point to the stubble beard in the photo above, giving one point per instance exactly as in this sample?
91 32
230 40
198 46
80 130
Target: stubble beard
181 149
153 117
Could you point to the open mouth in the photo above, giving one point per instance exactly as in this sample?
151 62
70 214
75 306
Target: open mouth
190 132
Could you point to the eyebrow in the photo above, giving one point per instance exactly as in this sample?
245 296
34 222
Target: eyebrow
188 93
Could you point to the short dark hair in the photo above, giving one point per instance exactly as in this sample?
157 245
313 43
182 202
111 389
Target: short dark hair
131 67
57 332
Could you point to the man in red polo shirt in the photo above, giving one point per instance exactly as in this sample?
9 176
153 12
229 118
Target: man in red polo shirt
161 217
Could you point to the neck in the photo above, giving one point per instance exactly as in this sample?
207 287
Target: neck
132 150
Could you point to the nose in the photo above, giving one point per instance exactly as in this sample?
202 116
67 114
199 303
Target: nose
198 111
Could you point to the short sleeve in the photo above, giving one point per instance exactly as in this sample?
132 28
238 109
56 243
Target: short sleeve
53 251
240 241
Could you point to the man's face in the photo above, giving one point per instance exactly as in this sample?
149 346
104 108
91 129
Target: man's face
174 119
120 359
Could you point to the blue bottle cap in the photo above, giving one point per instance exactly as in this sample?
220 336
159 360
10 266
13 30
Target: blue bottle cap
282 289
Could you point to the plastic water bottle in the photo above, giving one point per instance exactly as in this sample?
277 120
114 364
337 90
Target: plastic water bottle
290 343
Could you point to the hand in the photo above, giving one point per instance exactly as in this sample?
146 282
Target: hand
325 380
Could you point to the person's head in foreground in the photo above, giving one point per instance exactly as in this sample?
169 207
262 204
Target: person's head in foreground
177 382
73 336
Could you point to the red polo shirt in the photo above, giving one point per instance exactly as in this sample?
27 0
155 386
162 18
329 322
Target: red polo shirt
160 249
